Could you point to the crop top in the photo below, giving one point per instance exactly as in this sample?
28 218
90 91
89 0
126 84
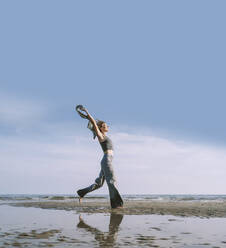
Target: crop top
106 144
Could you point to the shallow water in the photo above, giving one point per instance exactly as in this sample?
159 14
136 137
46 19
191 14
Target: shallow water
59 228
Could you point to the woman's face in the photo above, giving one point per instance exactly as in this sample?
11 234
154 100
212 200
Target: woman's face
104 127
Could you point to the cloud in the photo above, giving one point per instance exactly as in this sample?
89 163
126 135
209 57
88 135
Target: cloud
159 165
61 156
145 164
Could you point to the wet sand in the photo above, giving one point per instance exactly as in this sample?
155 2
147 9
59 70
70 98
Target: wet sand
36 227
136 207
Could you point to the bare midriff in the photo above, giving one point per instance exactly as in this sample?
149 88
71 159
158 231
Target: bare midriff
109 152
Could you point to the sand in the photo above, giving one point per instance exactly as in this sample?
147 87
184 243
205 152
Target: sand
135 207
92 224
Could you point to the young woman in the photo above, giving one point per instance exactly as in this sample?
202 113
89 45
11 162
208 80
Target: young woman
106 172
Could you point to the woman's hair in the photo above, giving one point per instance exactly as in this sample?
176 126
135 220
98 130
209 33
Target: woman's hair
91 127
99 124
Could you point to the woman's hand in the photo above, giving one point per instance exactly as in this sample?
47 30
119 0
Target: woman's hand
83 109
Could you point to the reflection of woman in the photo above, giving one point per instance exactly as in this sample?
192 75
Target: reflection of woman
104 240
106 173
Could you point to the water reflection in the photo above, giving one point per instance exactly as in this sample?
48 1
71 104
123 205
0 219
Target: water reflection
104 239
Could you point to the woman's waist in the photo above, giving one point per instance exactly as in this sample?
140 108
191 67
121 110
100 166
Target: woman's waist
110 152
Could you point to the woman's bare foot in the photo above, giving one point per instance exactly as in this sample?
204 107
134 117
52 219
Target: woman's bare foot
80 199
80 195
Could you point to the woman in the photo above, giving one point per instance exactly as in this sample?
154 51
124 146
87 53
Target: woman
106 173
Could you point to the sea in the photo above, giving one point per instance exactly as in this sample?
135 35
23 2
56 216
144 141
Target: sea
6 198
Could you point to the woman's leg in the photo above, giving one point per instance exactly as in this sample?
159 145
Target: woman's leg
107 168
98 183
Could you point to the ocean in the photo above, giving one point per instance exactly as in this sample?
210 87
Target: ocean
100 197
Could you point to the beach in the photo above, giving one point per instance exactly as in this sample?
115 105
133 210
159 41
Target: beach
60 221
184 208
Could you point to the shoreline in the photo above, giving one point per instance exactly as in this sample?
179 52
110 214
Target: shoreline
135 207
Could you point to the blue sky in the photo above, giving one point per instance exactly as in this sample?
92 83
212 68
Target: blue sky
149 68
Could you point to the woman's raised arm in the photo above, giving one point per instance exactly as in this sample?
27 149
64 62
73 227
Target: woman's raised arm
96 128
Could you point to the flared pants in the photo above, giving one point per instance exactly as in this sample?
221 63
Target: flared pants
106 173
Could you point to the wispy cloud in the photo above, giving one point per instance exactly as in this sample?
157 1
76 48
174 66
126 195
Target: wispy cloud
159 165
143 164
60 157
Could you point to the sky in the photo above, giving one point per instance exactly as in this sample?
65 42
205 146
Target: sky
153 70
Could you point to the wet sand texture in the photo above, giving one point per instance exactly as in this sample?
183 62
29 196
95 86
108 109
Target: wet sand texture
48 238
183 208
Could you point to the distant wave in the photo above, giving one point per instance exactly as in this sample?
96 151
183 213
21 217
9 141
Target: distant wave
154 197
177 197
8 198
